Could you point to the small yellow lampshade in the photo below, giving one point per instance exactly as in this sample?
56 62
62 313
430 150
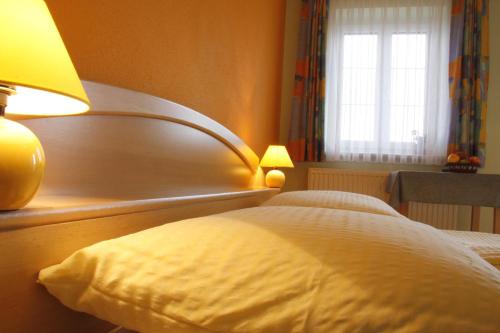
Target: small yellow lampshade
34 61
276 157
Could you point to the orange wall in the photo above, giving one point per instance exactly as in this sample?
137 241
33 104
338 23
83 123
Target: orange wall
219 57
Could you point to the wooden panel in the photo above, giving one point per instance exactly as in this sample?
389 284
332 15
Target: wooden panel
404 209
125 158
475 218
114 101
27 307
496 221
136 146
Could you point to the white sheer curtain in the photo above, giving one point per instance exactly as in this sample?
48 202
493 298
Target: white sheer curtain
387 81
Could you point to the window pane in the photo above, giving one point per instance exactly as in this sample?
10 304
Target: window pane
357 107
408 63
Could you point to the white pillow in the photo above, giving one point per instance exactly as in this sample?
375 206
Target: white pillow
280 270
333 199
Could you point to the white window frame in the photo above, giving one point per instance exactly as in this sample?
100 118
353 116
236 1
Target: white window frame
415 150
382 96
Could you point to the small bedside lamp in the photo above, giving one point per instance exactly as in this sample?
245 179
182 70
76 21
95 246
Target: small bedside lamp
276 157
37 77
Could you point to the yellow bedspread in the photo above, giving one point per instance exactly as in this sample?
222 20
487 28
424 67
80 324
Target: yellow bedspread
284 270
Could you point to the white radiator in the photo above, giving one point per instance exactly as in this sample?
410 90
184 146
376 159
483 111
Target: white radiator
374 183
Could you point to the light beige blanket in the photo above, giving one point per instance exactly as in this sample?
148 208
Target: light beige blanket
486 245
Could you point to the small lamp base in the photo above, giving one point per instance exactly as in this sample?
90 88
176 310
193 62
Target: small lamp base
22 163
275 178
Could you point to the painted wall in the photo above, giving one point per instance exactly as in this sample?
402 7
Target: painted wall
296 179
288 72
222 58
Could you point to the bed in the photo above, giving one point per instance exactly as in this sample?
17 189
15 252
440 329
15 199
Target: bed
134 162
239 257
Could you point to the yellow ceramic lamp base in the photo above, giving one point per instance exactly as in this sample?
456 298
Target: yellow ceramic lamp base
22 163
275 178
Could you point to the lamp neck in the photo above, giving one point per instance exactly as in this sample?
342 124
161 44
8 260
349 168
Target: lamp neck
5 92
3 103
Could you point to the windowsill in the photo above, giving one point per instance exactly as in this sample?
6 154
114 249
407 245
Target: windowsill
370 166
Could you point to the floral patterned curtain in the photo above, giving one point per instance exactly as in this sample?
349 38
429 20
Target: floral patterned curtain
306 136
469 73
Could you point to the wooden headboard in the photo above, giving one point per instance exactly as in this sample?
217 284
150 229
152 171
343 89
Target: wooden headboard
134 162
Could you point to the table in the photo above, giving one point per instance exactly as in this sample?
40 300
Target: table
476 190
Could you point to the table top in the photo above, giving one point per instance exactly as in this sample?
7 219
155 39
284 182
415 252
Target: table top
444 188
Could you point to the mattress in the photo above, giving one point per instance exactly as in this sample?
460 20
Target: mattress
487 246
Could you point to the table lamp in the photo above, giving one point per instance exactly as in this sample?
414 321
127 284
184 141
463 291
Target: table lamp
37 78
276 157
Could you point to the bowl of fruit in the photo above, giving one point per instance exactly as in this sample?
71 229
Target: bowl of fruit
460 162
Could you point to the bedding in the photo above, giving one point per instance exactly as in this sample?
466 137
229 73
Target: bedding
333 199
286 270
487 246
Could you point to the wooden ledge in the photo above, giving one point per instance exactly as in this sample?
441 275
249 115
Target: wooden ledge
60 209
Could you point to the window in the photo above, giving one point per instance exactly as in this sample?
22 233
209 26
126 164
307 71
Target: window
387 81
359 78
408 71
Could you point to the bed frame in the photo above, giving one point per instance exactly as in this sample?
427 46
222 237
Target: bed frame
134 162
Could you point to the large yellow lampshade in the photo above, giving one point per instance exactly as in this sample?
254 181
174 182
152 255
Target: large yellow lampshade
34 61
276 157
37 77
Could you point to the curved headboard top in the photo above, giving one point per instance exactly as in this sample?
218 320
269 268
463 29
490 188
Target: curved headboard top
106 99
134 146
